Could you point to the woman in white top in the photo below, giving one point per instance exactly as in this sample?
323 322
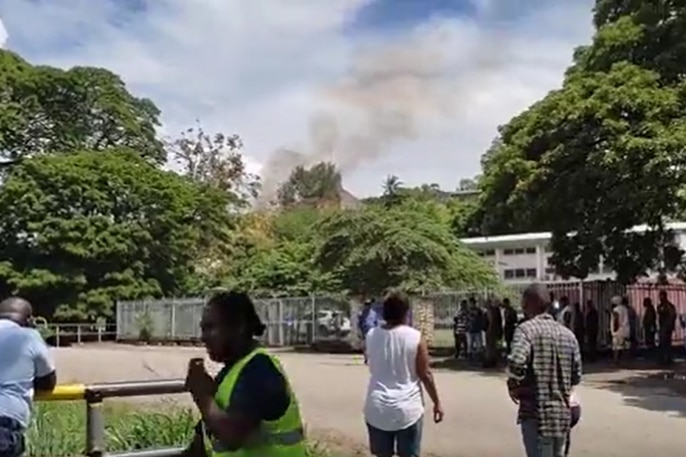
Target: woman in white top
620 328
398 361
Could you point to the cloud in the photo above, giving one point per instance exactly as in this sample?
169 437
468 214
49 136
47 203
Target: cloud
265 69
3 34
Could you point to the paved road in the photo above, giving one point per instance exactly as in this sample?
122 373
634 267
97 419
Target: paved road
479 416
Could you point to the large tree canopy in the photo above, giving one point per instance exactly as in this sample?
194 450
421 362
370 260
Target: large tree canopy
602 154
83 229
46 110
408 246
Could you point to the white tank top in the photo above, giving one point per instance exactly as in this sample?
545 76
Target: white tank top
394 395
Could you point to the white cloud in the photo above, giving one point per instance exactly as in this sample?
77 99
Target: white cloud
259 68
3 34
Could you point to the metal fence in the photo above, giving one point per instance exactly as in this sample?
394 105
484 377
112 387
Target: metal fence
94 395
315 319
291 321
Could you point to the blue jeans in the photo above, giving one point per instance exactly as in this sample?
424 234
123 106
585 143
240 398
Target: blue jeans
540 446
11 438
403 443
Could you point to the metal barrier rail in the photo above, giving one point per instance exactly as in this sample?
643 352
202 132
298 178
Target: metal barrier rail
94 394
78 333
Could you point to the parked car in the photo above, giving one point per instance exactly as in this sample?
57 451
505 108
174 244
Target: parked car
327 323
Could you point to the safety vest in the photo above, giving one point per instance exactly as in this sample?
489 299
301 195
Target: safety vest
284 437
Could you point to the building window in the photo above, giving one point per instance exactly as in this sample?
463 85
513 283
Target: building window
489 252
520 273
531 250
519 251
508 251
550 271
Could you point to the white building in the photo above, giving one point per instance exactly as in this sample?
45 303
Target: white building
525 256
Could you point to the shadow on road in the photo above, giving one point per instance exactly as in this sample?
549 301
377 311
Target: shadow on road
663 391
462 365
642 383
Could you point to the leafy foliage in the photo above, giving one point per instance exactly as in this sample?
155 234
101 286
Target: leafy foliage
47 110
411 247
89 215
81 230
318 185
602 154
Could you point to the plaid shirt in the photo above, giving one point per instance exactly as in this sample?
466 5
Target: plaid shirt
545 363
461 322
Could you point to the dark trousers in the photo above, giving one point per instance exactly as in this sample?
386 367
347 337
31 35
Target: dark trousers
461 346
650 339
509 335
666 348
11 438
592 346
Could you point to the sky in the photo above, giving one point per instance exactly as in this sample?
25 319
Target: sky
412 88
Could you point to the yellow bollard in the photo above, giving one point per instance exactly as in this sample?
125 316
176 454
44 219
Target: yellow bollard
64 392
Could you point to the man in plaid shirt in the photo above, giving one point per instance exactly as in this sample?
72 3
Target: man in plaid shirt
543 367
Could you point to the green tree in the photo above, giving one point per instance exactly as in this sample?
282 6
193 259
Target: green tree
408 246
46 110
317 185
216 160
605 152
82 230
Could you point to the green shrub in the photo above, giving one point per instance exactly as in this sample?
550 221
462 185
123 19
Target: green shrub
58 429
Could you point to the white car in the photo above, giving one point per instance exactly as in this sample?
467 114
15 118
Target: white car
327 322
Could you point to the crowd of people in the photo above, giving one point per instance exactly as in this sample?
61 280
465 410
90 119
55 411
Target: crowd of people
484 331
250 408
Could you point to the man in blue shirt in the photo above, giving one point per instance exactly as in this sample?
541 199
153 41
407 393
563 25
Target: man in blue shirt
25 367
367 320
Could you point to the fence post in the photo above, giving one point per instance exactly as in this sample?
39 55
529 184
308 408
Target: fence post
57 336
95 425
282 324
78 333
172 318
313 323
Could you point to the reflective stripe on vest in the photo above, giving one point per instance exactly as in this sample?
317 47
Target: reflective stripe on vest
273 437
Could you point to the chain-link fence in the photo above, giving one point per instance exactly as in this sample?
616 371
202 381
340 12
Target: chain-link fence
291 321
298 321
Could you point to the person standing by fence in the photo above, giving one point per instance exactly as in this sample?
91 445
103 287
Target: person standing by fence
25 367
666 313
649 324
476 325
367 320
591 329
249 409
460 323
510 317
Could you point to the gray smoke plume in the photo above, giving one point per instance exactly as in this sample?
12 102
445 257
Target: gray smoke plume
392 93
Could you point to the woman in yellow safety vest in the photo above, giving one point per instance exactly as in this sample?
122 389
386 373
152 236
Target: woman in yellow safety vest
249 408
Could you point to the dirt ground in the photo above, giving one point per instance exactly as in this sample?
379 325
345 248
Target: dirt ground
627 413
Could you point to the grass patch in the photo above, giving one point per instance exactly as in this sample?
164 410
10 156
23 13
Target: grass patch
58 429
